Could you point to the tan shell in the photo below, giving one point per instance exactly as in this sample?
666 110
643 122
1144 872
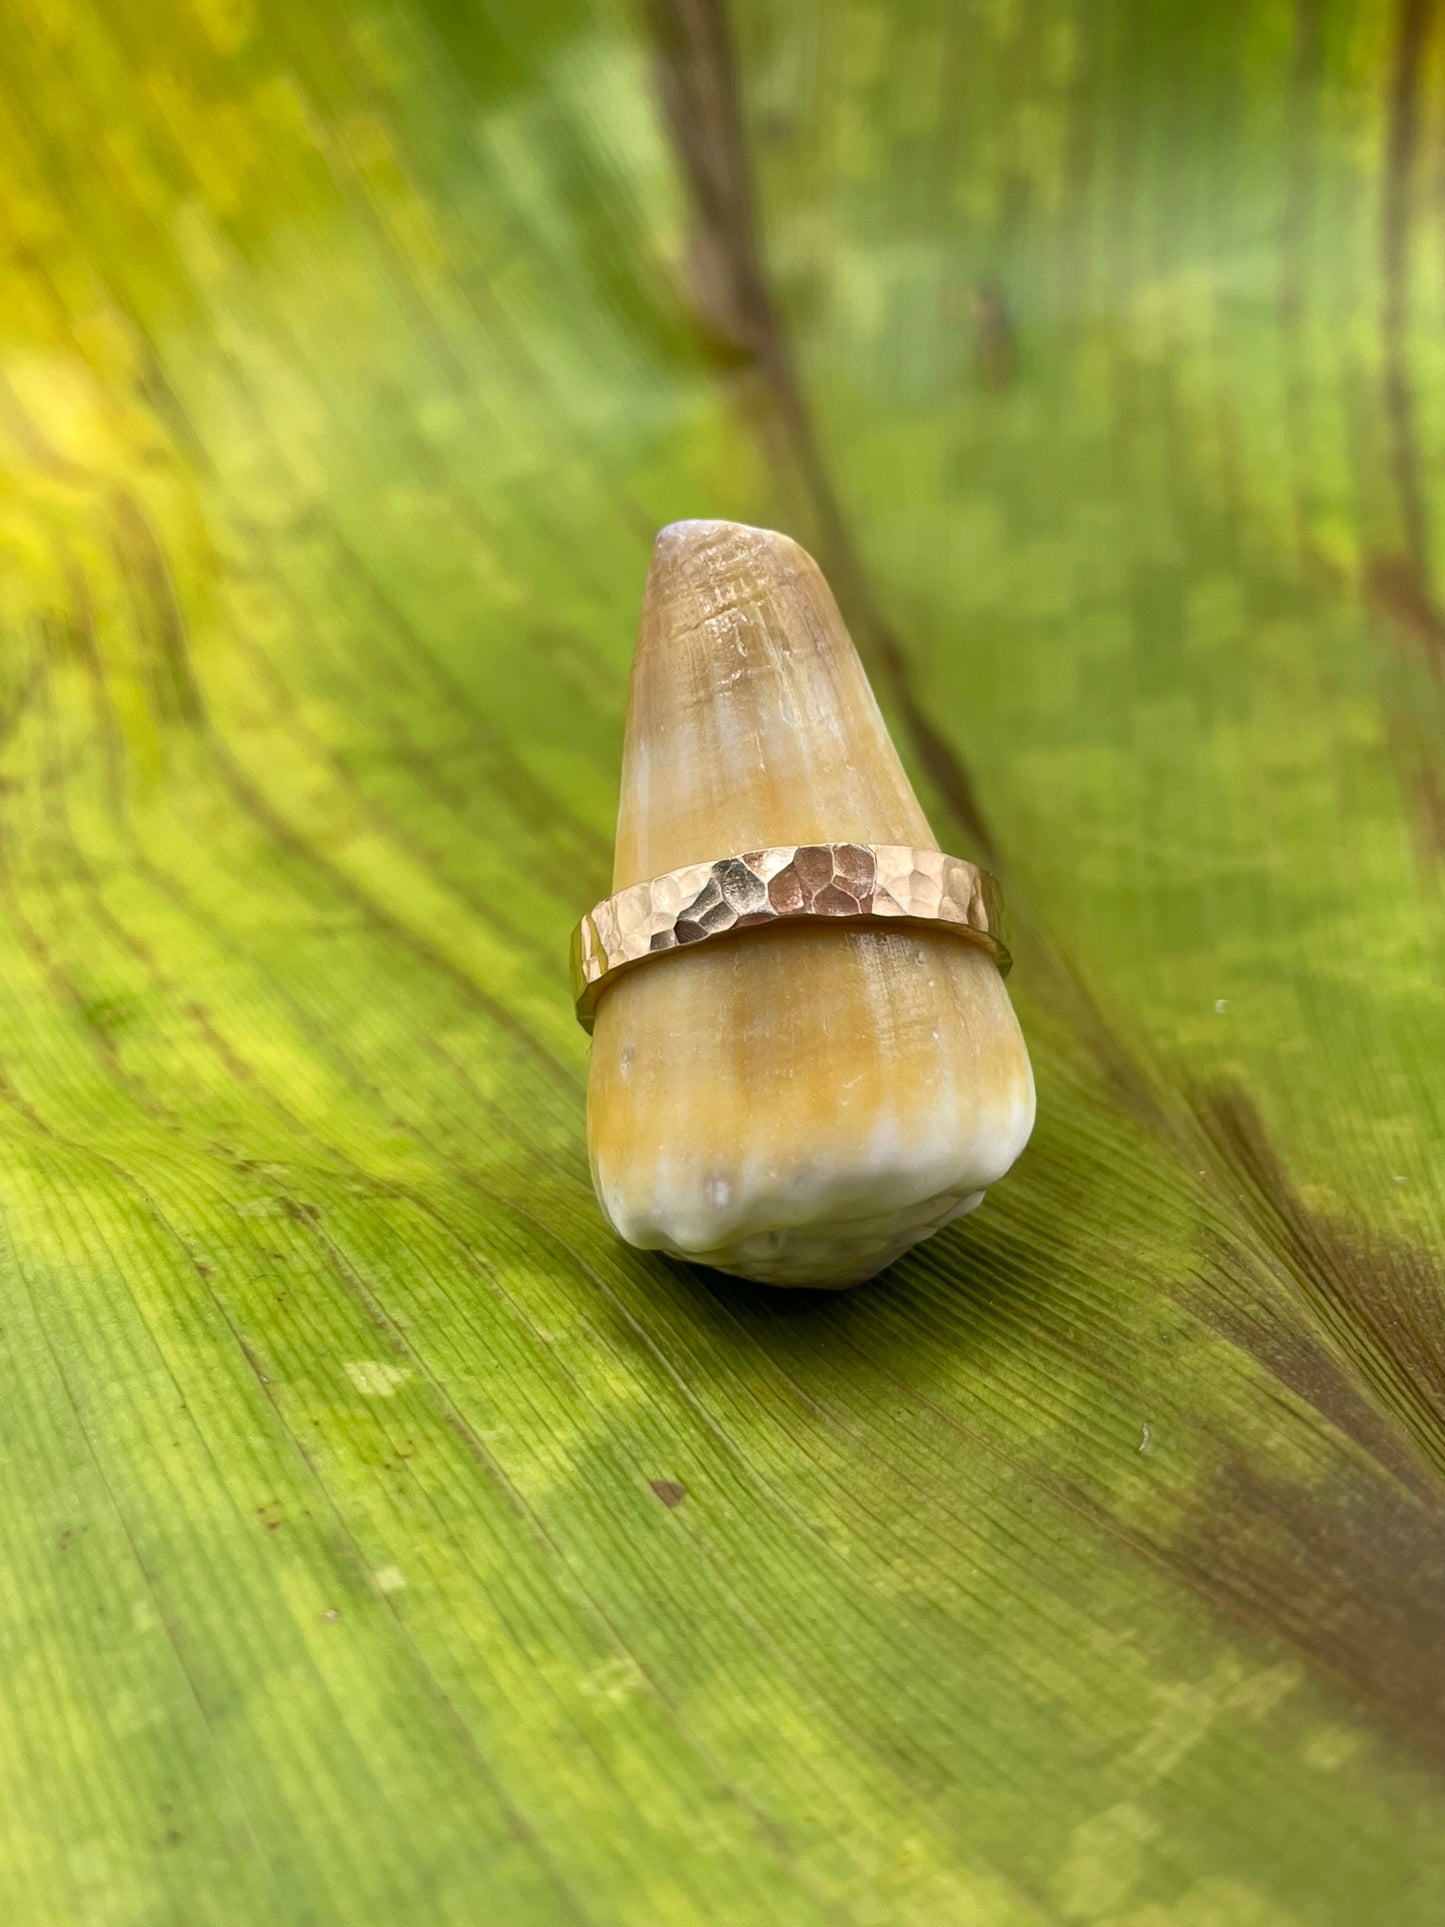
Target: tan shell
797 1103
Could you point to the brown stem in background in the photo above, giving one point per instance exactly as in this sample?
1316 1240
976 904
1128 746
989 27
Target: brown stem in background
698 82
1304 71
1402 144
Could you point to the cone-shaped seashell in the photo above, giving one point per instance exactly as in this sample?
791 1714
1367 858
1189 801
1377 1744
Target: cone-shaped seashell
800 1102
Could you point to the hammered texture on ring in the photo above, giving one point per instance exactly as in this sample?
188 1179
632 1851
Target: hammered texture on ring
852 881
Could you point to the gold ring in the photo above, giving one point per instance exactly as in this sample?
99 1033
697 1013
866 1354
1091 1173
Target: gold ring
853 882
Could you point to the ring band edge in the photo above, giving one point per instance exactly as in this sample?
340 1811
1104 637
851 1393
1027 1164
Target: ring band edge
592 971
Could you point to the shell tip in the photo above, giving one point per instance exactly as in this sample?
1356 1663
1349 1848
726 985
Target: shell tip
700 535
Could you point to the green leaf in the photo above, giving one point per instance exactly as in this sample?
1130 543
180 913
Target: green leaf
382 1541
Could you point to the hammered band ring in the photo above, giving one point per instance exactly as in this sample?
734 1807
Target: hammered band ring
850 882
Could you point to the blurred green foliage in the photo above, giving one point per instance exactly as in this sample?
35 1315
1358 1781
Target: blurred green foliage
1088 1567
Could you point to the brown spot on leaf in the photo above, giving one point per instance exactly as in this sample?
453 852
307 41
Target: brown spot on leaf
1348 1577
668 1491
1380 1299
993 336
1395 587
